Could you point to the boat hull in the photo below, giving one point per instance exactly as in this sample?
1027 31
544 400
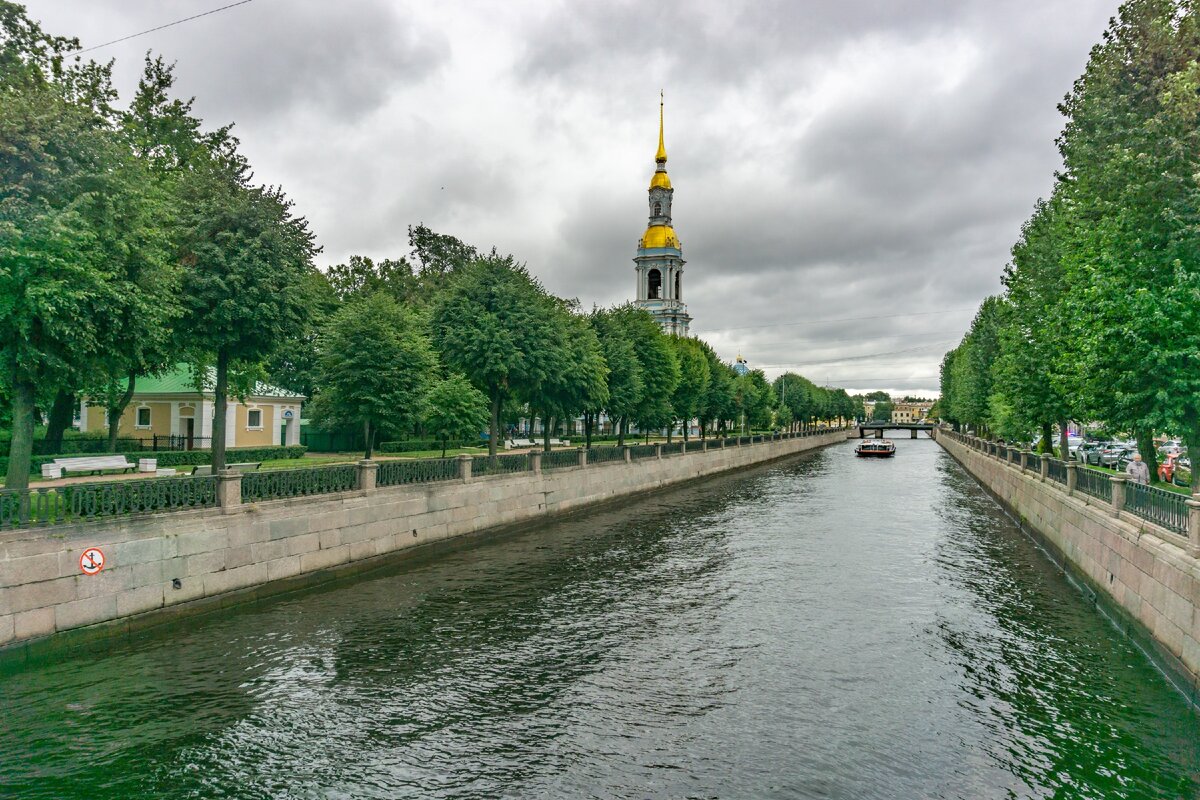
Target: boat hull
874 453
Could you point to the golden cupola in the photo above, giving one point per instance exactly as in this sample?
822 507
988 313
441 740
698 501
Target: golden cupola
659 232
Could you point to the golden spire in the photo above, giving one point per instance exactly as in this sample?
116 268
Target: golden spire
661 155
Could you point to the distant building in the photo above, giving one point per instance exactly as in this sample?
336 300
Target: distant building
910 412
659 256
171 408
741 367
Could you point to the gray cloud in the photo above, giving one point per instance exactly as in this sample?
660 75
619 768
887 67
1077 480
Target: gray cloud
836 164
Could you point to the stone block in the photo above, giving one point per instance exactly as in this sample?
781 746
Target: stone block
246 530
147 574
281 568
232 579
291 526
188 544
137 551
361 550
205 563
89 611
189 589
323 559
41 594
303 544
31 569
331 538
35 622
267 551
110 581
8 628
241 556
139 600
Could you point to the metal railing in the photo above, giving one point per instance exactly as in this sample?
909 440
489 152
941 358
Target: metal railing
1057 471
53 506
598 455
674 448
731 441
643 451
1093 482
278 484
420 470
500 465
1159 506
560 459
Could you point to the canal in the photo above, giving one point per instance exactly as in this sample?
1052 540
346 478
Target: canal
822 627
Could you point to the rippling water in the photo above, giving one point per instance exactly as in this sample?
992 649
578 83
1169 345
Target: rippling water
825 628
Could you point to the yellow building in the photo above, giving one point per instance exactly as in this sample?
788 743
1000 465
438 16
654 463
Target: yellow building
910 412
171 408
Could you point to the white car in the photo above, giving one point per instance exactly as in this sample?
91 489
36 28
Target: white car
1073 443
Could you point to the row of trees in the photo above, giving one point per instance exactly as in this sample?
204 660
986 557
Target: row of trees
1100 317
132 240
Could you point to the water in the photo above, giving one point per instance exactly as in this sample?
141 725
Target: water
824 628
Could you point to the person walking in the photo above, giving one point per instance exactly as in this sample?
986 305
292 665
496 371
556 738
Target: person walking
1137 471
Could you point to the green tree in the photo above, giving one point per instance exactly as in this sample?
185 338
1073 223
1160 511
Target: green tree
576 374
496 325
624 382
882 411
694 377
718 405
378 368
247 258
659 368
456 410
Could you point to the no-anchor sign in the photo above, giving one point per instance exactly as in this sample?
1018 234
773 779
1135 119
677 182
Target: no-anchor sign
92 561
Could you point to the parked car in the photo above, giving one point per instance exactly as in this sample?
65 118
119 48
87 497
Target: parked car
1112 453
1177 469
1073 444
1089 453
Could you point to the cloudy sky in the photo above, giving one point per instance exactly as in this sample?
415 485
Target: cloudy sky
849 174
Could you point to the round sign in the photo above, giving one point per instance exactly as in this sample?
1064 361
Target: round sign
288 414
92 561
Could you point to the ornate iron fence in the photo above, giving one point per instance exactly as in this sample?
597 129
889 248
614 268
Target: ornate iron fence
498 465
672 449
418 470
560 459
598 455
730 441
277 484
1057 471
1159 506
643 451
1093 482
21 508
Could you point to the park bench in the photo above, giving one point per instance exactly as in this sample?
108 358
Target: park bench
515 443
94 464
206 469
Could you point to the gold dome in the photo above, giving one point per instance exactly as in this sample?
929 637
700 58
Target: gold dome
660 236
660 181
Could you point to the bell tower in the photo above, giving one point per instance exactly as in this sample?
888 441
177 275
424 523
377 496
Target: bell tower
659 260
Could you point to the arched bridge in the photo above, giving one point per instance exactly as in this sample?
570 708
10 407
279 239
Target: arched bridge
877 428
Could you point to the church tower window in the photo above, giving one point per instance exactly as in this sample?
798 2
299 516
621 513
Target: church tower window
655 287
658 209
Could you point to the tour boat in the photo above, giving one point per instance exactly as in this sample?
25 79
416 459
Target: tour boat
875 448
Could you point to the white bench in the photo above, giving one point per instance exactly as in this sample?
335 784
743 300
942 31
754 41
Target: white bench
94 464
512 444
206 469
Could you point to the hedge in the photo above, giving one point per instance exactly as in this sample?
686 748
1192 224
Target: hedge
181 458
430 444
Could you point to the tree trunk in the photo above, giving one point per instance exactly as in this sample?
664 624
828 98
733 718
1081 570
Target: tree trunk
444 439
1192 440
115 412
686 425
1064 446
367 438
1145 443
20 449
622 424
494 425
588 421
546 426
222 403
1047 439
61 415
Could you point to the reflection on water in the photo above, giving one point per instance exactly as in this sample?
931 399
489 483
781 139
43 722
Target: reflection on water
825 627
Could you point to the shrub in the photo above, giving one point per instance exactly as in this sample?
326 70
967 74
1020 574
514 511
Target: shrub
429 444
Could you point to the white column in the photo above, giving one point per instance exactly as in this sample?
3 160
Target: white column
276 420
175 418
293 431
230 423
83 408
205 411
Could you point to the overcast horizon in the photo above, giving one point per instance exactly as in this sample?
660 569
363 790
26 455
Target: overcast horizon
849 177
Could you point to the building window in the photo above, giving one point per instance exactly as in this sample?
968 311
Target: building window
678 288
658 209
143 417
254 419
654 284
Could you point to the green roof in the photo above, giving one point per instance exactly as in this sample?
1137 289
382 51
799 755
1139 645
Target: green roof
179 381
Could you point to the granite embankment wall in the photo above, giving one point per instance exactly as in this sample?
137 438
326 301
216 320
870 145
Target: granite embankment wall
186 561
1145 577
